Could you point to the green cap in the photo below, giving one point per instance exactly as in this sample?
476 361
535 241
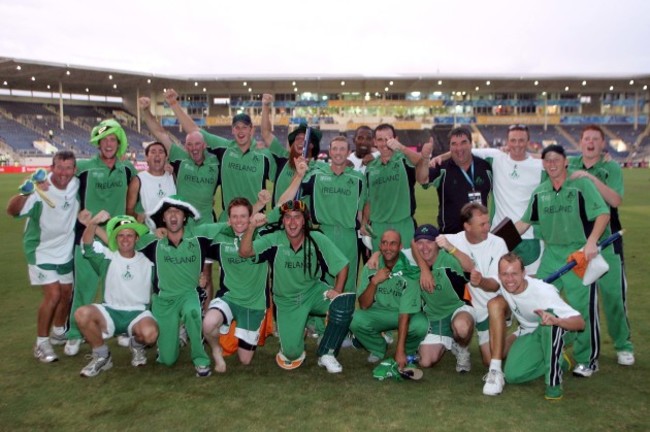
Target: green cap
119 223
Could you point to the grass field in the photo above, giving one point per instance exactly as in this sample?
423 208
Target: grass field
35 396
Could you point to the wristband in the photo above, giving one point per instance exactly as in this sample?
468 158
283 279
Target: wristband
453 251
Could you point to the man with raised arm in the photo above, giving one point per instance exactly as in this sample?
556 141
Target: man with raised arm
391 181
458 181
516 174
127 281
300 259
242 292
245 169
104 182
285 159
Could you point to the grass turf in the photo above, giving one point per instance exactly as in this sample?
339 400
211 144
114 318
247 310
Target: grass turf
35 396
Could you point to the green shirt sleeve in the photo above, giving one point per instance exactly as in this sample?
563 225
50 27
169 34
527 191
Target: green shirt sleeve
214 141
278 149
98 261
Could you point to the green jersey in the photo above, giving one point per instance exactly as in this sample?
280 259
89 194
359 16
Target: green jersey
196 183
242 174
609 173
242 280
449 290
391 191
335 199
297 272
399 293
178 267
565 217
103 188
284 171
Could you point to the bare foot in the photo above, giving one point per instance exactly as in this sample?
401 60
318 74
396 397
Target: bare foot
219 362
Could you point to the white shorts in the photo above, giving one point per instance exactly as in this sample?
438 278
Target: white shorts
110 325
251 337
38 276
446 341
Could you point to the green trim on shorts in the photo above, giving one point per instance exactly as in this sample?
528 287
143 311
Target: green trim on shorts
247 319
122 318
529 250
61 269
483 325
442 327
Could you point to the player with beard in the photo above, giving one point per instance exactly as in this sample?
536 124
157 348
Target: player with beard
178 258
300 259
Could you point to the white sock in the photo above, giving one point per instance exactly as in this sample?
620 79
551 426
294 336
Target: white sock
40 340
495 365
58 330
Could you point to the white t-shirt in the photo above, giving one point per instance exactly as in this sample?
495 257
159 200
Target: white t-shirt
127 285
537 295
49 232
485 255
152 190
514 183
358 163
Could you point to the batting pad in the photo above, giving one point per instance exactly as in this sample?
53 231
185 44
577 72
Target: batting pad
338 324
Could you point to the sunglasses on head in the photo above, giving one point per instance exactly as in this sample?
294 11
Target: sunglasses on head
518 127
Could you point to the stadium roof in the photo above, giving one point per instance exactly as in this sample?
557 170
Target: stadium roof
269 45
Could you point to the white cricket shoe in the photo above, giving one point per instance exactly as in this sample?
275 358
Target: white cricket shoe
44 352
331 364
96 365
72 347
138 355
124 340
494 382
584 371
463 360
625 358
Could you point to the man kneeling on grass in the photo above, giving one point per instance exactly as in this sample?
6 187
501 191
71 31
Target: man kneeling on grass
536 347
127 280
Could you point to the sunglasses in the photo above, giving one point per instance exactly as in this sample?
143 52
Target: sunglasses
518 127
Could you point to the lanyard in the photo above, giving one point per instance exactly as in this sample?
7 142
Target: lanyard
469 180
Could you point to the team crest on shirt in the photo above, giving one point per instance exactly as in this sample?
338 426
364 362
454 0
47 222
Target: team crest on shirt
571 195
350 181
395 164
479 181
127 276
161 193
514 174
66 205
256 158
